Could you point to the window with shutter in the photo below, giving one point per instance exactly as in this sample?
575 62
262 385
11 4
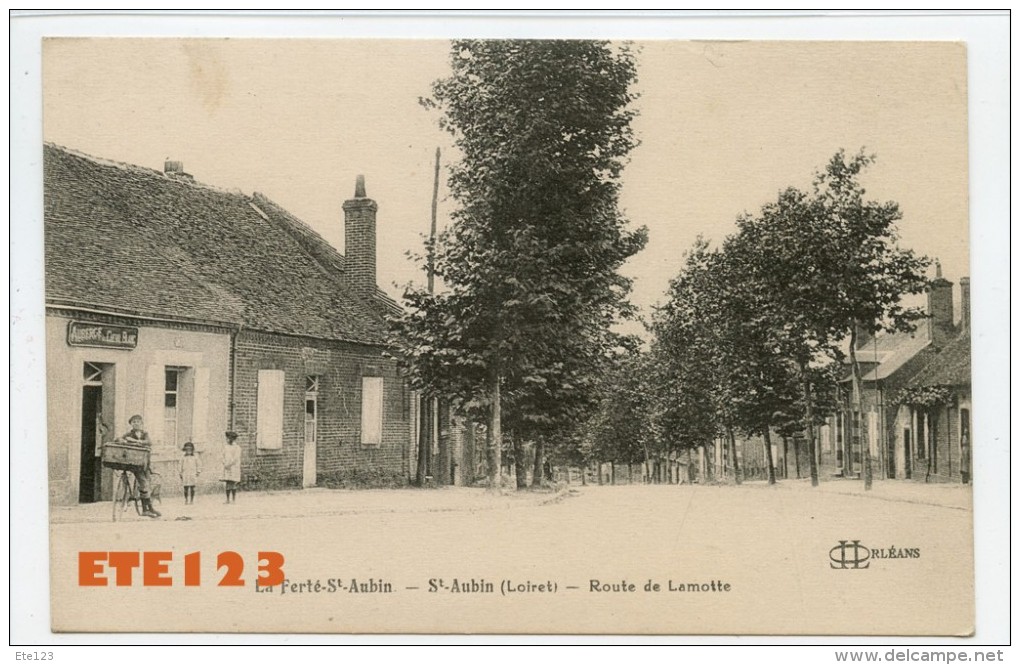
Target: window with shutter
269 418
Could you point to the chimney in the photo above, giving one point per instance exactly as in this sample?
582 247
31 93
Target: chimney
965 303
940 309
175 170
359 235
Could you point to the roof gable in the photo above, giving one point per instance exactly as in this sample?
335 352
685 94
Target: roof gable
888 352
133 240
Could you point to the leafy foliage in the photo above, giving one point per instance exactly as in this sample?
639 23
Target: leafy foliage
623 428
925 397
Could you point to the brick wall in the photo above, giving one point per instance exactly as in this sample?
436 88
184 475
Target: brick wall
341 368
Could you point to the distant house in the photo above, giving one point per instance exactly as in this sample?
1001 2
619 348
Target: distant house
889 364
936 407
205 311
898 435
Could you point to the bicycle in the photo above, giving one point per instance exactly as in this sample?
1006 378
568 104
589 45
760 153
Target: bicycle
124 490
124 459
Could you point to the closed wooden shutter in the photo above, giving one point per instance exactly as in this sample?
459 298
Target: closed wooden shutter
155 404
200 410
269 424
371 410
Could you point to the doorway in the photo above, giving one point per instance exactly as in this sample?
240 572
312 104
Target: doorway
90 476
96 413
891 460
309 470
908 462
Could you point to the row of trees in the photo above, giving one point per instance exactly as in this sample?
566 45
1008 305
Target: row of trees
521 335
751 339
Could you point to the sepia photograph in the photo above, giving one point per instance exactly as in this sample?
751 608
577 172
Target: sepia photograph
508 336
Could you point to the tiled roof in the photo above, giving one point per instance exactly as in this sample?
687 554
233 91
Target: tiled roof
883 355
132 240
320 249
950 367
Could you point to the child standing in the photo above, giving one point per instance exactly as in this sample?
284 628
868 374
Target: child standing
191 469
231 466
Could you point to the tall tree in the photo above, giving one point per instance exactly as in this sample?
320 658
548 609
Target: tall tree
827 264
691 409
530 259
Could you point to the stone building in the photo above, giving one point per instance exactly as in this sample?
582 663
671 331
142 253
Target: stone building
204 311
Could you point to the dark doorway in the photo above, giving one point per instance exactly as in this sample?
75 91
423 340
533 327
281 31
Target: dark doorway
90 478
907 460
891 459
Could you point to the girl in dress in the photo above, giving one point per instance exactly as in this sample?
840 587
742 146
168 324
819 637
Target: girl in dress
191 469
231 466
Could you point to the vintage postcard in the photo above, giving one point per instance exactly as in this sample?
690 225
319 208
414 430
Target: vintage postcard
692 354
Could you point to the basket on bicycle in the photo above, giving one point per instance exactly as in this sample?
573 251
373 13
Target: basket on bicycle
117 455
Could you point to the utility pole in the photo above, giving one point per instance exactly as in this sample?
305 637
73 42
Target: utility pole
430 404
432 232
442 472
857 399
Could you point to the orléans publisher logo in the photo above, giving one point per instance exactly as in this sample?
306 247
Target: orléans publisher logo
852 555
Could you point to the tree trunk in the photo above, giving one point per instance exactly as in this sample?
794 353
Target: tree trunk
612 473
786 466
520 460
496 429
424 441
809 424
848 438
859 391
708 451
443 460
489 461
768 457
468 458
537 472
796 457
733 454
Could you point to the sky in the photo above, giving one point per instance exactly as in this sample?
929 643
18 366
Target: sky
724 126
